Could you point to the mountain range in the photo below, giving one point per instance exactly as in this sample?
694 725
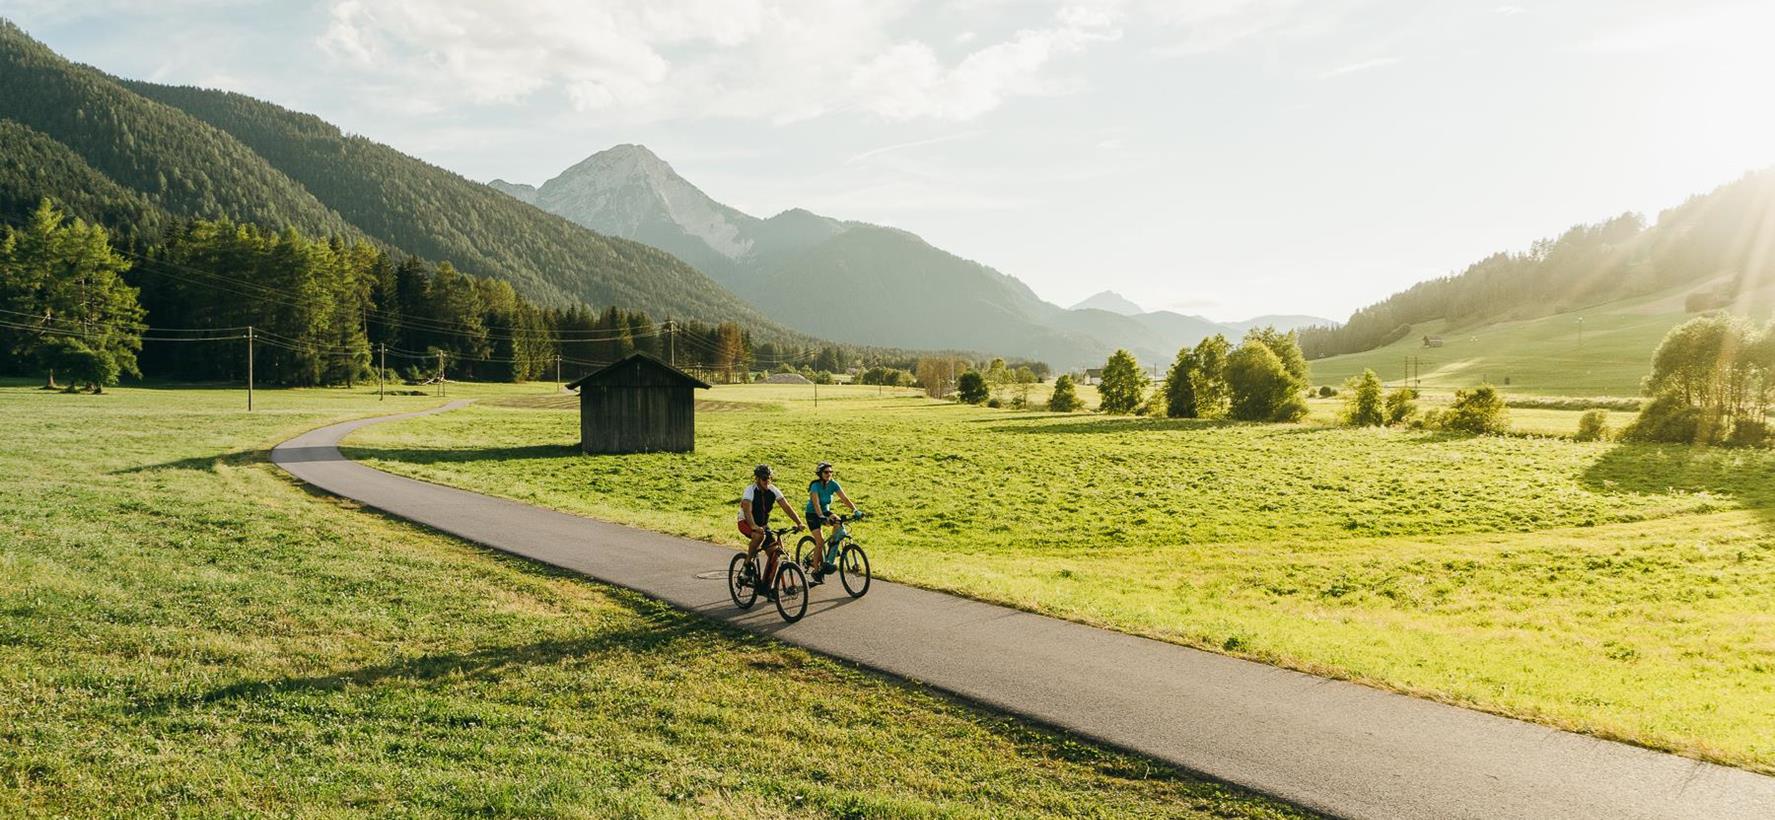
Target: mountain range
139 157
854 281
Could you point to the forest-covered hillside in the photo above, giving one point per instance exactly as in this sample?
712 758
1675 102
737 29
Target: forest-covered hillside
1720 244
140 159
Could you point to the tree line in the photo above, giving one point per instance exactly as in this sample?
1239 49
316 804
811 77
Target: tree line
321 311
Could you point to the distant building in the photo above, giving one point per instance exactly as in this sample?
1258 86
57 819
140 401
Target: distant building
637 405
1093 375
1432 341
787 378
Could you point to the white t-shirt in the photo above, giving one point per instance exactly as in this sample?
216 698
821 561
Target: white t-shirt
750 496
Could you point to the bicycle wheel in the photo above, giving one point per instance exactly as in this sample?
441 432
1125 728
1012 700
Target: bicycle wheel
804 548
791 586
853 569
740 576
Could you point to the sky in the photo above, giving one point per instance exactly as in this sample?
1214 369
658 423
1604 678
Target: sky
1222 157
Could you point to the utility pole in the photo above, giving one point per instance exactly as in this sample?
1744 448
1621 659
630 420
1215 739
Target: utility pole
442 391
672 342
380 368
557 372
1580 333
249 368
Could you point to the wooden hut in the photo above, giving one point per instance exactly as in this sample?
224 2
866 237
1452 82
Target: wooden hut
637 405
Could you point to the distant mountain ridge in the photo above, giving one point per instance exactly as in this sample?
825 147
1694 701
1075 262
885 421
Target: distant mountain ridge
850 281
1111 301
138 157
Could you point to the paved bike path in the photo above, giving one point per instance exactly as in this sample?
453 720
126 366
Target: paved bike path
1330 746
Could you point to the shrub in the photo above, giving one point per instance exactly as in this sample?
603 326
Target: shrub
994 403
1262 388
1402 405
1363 406
1480 411
1327 391
1593 425
971 387
1066 397
1666 418
1625 405
1747 433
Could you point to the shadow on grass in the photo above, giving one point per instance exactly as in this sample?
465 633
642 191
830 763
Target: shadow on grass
460 455
1744 475
206 463
1046 425
652 636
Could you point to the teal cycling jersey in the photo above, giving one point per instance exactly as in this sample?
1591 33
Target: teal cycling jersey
825 490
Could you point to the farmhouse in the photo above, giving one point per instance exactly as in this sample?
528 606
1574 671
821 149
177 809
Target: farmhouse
637 405
1432 341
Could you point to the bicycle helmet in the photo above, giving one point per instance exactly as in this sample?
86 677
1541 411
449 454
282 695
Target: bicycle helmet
822 467
762 471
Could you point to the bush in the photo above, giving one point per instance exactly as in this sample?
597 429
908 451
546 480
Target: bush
1747 433
971 387
1625 405
1593 425
1402 405
1327 391
1263 389
1363 406
1066 397
1667 418
994 403
1480 411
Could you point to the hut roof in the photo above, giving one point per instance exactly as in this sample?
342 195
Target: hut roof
787 378
636 369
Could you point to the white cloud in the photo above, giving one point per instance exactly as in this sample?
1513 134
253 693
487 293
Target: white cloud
901 146
1362 65
1197 27
776 60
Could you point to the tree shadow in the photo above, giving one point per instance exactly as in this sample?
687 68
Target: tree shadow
1744 475
653 636
205 463
459 455
1046 425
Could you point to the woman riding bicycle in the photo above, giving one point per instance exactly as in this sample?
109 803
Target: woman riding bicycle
819 513
755 505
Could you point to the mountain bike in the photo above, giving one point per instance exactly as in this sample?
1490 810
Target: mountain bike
852 561
789 586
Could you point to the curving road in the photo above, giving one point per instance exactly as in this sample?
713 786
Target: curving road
1334 747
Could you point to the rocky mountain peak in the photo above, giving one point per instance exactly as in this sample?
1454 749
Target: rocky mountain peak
1111 301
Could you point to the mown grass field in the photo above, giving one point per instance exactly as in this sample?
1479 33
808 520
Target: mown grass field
183 630
1620 590
1605 354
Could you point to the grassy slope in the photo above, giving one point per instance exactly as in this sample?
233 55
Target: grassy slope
1618 590
184 630
1539 356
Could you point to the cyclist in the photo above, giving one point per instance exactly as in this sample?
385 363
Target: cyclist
819 513
755 505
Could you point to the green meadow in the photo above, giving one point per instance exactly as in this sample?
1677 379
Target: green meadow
185 630
1600 351
1619 590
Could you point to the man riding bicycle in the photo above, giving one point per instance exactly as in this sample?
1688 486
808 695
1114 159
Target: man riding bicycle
754 520
819 513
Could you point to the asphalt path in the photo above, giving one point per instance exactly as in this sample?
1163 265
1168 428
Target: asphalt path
1330 746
